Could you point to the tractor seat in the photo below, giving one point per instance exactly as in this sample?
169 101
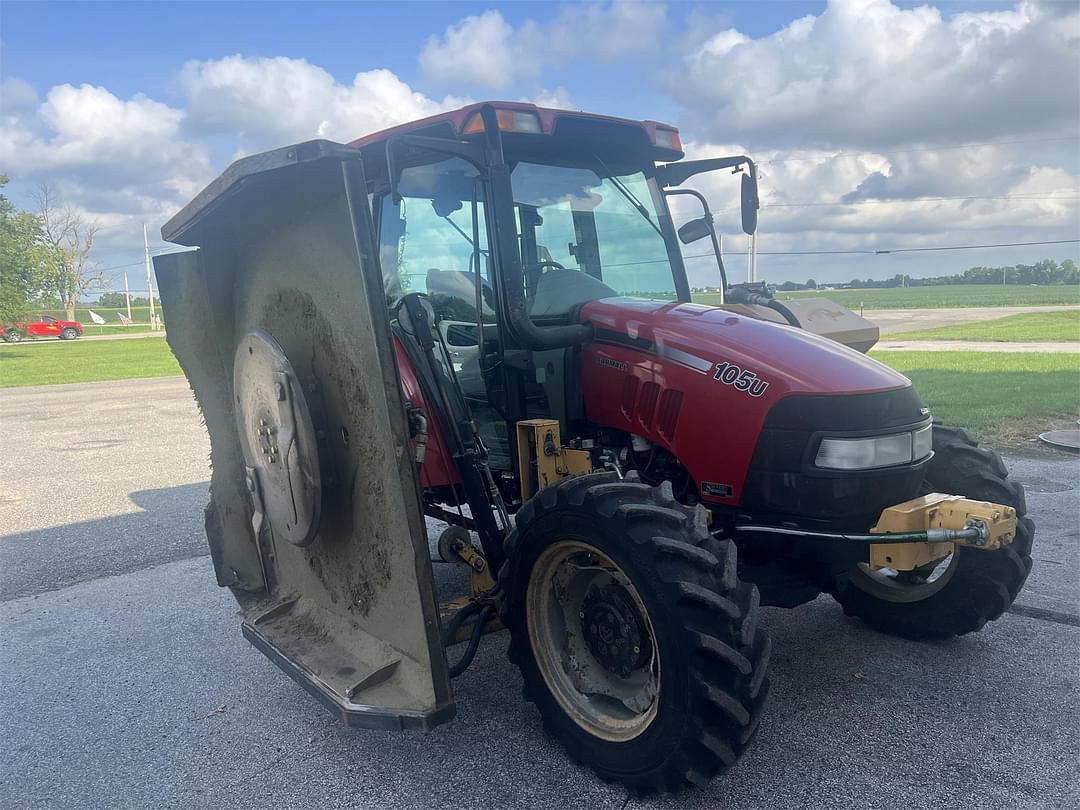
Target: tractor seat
559 291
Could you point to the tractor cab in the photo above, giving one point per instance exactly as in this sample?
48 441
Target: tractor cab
511 218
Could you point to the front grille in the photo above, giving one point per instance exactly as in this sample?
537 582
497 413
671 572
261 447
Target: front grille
670 404
647 404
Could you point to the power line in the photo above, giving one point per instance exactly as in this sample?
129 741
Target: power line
863 251
919 149
1050 195
978 247
155 251
1033 196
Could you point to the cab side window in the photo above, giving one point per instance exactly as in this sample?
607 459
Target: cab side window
427 242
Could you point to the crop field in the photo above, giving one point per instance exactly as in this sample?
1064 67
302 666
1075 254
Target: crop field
954 295
1033 327
997 395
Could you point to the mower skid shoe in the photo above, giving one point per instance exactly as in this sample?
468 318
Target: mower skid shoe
280 323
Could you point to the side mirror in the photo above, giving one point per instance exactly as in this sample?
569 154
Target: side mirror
749 202
695 229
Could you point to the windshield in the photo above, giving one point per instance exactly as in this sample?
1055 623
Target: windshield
585 236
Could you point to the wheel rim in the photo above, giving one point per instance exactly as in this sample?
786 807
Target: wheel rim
593 641
906 586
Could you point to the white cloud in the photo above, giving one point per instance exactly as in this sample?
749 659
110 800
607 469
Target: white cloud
867 73
271 101
126 161
17 97
486 51
479 50
861 77
1016 201
92 143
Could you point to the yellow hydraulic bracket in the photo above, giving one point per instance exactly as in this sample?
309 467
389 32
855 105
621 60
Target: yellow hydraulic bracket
939 511
542 460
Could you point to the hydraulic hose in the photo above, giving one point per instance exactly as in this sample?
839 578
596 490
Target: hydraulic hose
750 297
973 533
474 640
457 620
789 316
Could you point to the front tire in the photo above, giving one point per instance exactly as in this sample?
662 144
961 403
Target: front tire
971 587
13 336
69 334
634 636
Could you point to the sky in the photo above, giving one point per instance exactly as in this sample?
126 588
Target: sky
876 125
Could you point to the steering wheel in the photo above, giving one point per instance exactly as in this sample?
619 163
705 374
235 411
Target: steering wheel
534 271
546 263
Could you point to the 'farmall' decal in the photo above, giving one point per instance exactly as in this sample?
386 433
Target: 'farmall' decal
740 379
618 365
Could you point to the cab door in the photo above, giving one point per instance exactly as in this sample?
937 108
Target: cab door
434 240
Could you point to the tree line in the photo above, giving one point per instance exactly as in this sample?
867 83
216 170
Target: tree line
117 300
1043 272
44 255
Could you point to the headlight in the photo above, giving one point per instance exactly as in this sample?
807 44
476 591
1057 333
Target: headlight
922 442
874 451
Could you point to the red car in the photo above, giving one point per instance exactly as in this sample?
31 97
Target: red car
45 326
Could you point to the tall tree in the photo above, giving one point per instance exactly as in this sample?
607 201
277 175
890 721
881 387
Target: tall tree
69 237
23 262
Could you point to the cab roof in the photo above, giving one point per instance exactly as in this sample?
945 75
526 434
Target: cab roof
454 123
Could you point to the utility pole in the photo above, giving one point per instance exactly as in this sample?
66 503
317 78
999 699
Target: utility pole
149 276
127 295
751 258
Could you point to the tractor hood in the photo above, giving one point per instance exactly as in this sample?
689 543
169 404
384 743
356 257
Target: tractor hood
701 337
717 389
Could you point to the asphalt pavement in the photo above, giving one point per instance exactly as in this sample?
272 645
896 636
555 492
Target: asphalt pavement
124 681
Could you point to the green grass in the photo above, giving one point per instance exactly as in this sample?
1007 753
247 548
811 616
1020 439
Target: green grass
1032 327
998 395
73 362
954 295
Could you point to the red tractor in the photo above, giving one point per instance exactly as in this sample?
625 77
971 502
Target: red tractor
484 317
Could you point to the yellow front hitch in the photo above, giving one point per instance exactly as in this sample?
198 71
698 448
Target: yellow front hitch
939 514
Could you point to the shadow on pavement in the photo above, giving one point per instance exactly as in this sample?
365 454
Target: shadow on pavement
167 527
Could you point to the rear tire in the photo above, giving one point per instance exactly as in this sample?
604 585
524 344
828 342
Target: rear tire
711 656
978 586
